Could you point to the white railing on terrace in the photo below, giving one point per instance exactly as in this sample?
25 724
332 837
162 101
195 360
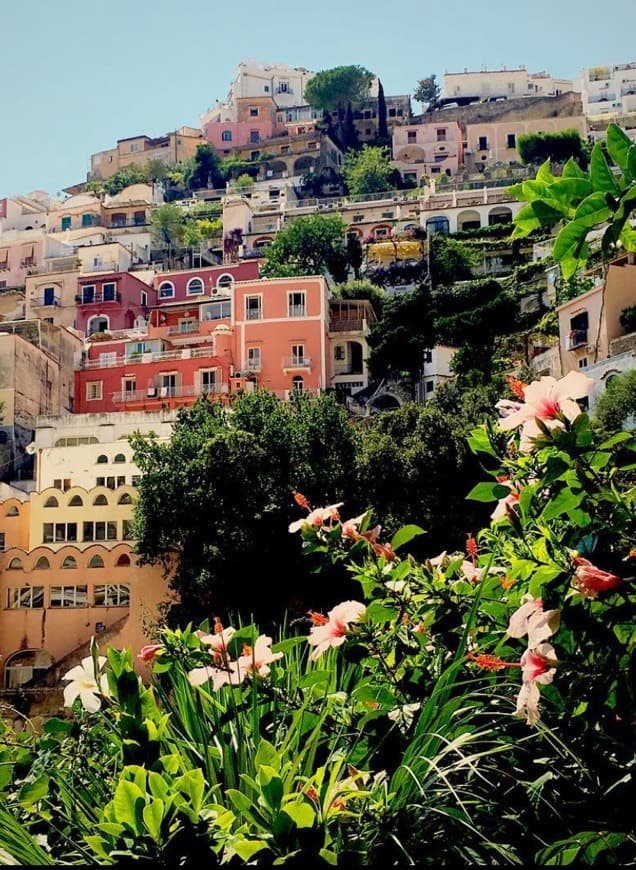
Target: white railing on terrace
296 362
167 393
143 358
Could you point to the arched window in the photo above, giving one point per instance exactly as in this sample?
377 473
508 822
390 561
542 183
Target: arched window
12 511
69 562
125 498
42 564
100 500
166 290
225 282
15 564
123 561
76 501
98 323
51 502
101 459
297 384
194 287
119 458
96 562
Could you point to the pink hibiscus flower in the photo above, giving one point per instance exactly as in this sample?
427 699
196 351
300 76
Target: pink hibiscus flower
547 400
256 660
538 667
333 631
531 619
590 580
317 517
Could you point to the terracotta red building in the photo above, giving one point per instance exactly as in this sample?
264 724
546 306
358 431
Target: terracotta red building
112 301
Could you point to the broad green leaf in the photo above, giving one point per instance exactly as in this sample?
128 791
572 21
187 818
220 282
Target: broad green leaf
573 170
561 504
271 786
544 174
479 442
618 145
549 212
241 801
631 164
593 210
570 190
628 238
488 492
153 817
377 612
301 813
313 678
569 240
127 803
404 535
34 791
533 190
266 753
246 849
57 726
192 784
158 786
602 176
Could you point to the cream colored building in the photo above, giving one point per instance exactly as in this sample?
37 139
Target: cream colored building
608 90
173 148
501 84
496 141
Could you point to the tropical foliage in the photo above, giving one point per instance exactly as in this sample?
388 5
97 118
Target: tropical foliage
470 707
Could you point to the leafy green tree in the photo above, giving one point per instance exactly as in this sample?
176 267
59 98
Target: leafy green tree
244 183
383 130
428 91
368 170
450 260
362 289
311 245
215 502
415 466
557 146
133 174
617 404
398 340
355 253
578 202
204 169
330 90
167 225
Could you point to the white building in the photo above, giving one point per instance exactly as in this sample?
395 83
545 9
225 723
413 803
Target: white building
608 90
502 84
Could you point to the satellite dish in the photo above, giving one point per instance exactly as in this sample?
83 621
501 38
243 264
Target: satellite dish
30 448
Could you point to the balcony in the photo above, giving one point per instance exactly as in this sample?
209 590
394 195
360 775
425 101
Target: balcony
158 393
577 338
101 266
184 328
42 302
253 365
112 361
98 297
54 265
347 325
296 362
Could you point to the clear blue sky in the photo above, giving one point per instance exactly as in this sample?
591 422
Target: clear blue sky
78 75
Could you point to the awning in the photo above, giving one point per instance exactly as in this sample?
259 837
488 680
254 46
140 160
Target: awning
27 252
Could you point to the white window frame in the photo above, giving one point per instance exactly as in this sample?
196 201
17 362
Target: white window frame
162 287
297 355
254 359
200 292
291 305
200 375
221 284
98 390
255 313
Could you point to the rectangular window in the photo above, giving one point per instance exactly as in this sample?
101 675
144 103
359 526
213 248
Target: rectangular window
254 359
94 390
1 542
87 220
31 597
168 385
296 303
216 310
109 291
298 354
483 143
111 595
100 531
49 295
511 140
285 149
88 293
255 137
226 136
254 155
127 530
66 223
134 146
139 218
144 299
253 112
129 386
253 309
59 533
68 596
135 480
441 134
63 484
100 481
108 359
207 380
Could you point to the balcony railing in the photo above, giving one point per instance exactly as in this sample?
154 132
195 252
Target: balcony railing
41 301
253 365
149 357
53 265
161 392
254 314
297 311
346 326
296 362
577 338
97 297
102 266
184 328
